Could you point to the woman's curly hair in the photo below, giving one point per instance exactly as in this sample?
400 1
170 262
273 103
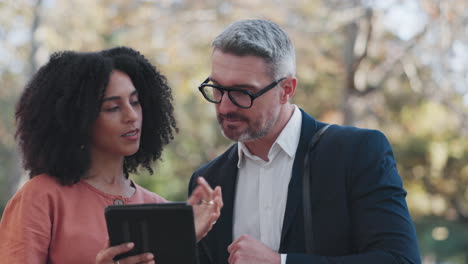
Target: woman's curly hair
62 101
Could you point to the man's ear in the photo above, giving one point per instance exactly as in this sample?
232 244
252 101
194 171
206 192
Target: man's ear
288 87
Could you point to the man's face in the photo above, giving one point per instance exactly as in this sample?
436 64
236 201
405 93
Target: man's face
249 73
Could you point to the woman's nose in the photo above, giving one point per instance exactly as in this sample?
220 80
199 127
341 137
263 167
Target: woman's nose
131 115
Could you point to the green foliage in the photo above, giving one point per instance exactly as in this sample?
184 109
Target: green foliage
445 239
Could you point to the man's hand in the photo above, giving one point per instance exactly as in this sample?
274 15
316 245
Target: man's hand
247 250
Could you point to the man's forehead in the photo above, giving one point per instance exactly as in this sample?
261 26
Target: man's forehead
233 61
230 69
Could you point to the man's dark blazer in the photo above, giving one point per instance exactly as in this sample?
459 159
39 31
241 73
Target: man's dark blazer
359 212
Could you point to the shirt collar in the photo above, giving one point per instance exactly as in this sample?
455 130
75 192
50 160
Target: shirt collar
287 140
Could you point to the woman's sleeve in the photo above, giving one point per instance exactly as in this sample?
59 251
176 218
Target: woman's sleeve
25 227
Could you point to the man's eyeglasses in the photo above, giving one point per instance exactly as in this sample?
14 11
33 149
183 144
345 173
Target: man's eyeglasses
241 98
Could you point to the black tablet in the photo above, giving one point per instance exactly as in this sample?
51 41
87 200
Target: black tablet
167 230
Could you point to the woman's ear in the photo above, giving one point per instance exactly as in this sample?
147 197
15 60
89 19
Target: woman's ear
288 87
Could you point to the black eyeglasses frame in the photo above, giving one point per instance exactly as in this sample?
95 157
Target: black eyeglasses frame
223 89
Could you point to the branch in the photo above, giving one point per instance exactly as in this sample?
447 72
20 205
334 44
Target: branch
350 59
385 70
412 73
34 43
358 60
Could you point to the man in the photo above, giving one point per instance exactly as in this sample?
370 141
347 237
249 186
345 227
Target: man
357 202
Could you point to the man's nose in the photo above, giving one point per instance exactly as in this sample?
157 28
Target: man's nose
226 105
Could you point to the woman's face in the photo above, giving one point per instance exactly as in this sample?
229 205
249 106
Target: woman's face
117 129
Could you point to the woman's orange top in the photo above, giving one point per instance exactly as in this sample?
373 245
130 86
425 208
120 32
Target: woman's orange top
46 222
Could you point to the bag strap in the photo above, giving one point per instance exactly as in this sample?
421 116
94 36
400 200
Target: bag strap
309 241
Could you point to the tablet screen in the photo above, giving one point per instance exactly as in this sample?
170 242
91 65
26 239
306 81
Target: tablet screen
166 230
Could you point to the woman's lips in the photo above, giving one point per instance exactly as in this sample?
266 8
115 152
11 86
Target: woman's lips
132 134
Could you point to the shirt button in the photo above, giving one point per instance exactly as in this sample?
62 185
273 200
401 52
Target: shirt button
118 202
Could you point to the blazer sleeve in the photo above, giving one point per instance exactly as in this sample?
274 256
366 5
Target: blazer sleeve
382 228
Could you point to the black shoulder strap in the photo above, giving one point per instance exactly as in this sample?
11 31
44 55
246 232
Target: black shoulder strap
309 241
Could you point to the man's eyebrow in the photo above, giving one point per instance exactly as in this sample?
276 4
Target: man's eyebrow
111 98
234 86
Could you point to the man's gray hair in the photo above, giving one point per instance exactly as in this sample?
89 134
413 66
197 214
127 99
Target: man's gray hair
260 38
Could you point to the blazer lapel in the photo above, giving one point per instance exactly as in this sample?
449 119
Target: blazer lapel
228 181
294 199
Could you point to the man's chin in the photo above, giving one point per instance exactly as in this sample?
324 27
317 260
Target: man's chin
231 134
238 137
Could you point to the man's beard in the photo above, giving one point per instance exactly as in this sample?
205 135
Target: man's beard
254 129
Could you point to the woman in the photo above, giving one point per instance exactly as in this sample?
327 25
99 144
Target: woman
84 122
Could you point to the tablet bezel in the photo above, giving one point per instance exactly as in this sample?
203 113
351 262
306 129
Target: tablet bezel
174 222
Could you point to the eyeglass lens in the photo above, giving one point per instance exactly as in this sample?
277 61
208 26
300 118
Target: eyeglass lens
239 98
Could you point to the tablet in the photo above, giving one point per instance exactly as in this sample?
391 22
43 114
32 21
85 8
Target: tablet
167 230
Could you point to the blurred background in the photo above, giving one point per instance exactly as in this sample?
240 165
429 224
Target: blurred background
400 66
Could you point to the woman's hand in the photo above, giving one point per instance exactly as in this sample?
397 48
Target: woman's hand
106 255
206 205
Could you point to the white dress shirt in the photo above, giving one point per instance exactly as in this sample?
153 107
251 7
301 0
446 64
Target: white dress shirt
262 187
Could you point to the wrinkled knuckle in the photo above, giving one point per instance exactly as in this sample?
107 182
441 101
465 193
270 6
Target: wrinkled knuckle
238 257
240 246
